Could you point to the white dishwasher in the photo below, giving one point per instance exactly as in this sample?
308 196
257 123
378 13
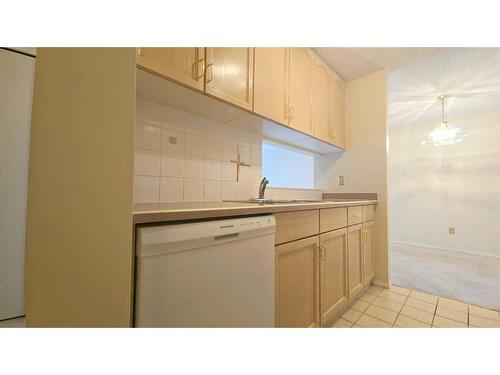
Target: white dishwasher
206 274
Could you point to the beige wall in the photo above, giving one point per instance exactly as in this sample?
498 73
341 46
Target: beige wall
434 188
364 163
17 74
79 225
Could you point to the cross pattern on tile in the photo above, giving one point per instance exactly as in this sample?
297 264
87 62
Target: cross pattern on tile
399 307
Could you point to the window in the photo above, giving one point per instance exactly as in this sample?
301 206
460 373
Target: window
287 167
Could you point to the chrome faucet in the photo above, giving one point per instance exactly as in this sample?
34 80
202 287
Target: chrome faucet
262 187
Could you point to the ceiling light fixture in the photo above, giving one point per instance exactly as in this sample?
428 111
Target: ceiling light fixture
444 134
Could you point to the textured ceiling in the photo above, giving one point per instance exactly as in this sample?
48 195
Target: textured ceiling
352 63
470 77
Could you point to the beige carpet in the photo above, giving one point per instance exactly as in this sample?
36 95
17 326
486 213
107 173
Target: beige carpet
470 278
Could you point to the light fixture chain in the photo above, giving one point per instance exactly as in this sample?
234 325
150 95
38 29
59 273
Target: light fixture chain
442 108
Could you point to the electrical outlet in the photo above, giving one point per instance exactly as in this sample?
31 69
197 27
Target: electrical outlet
451 230
341 180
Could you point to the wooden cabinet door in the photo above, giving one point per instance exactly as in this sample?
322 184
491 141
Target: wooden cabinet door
271 83
323 104
229 75
184 65
333 276
355 259
297 283
368 252
338 115
300 93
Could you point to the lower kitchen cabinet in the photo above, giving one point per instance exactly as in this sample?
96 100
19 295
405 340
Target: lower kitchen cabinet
333 275
297 283
324 261
368 256
355 260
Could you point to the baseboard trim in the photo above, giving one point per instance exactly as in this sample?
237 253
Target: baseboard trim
381 283
486 255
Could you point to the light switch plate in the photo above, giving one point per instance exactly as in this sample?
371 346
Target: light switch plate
451 230
341 180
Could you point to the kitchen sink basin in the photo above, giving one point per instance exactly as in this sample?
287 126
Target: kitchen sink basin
274 201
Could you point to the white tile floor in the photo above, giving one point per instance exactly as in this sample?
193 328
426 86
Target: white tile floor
400 307
396 307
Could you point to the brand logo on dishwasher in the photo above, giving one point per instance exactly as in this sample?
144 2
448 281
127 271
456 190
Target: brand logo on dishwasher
226 226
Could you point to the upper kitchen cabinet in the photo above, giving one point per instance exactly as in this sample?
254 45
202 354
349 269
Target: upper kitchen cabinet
184 65
323 104
229 75
329 99
296 98
337 98
301 89
270 83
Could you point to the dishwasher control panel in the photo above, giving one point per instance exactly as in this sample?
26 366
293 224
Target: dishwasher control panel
242 225
154 240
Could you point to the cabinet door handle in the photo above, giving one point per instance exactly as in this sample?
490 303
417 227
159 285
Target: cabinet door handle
194 70
201 68
291 113
322 253
209 72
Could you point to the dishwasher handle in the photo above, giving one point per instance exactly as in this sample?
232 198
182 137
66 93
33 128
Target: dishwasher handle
227 236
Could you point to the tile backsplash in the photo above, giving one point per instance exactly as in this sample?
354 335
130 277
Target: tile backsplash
182 157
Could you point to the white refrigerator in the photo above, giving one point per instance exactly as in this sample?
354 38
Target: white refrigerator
17 71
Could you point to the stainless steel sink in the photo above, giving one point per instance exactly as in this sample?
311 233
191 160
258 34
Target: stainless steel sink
274 201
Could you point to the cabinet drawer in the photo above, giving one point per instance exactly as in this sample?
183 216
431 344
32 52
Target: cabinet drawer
354 215
332 218
295 225
368 212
